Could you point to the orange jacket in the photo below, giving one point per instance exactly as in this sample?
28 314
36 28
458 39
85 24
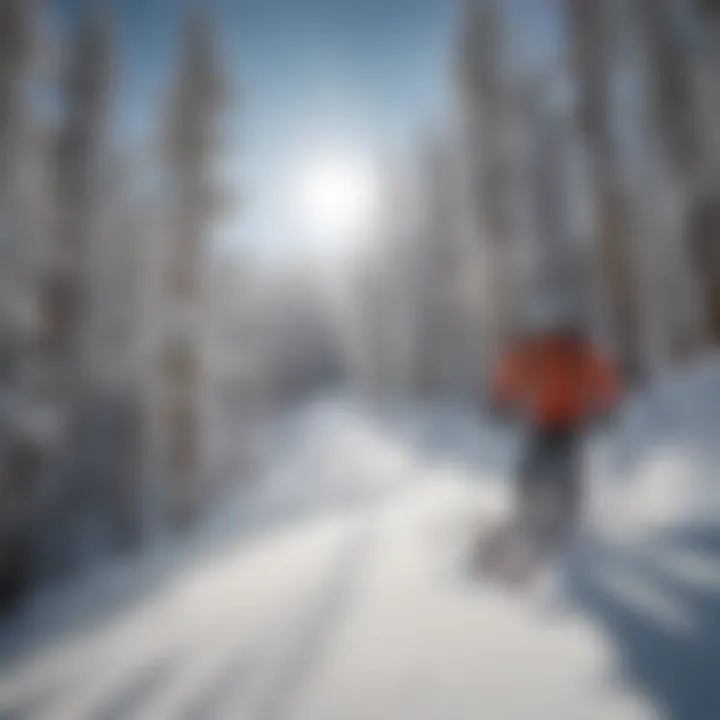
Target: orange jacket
556 382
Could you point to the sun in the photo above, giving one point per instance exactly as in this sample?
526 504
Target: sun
335 199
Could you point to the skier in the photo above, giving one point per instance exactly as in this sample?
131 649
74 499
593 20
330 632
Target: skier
558 384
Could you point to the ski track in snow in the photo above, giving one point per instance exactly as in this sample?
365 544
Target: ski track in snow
339 587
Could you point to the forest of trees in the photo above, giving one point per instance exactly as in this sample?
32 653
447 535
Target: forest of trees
131 362
595 176
139 365
106 302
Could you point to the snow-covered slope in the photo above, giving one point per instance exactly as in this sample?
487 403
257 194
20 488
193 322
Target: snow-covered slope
339 587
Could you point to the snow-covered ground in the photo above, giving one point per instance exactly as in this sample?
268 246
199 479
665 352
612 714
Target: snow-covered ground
338 587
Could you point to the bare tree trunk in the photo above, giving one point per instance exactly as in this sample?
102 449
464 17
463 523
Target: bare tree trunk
85 93
483 80
192 133
703 217
590 58
18 454
671 125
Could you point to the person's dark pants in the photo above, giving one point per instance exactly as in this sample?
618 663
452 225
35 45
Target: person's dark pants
550 471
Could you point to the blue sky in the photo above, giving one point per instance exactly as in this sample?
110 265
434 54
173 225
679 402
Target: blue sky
306 74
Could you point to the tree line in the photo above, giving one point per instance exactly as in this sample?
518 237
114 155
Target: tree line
104 291
593 174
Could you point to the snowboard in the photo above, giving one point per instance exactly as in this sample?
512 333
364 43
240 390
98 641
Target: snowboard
518 554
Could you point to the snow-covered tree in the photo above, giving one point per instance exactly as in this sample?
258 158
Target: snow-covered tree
591 59
192 137
674 157
484 84
85 94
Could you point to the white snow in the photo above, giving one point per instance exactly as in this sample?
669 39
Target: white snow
338 587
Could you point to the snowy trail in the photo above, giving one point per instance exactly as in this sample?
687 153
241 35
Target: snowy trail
340 590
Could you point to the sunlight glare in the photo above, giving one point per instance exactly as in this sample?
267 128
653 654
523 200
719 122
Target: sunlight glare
336 199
